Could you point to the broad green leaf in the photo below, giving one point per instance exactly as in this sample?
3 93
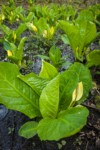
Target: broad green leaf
93 58
35 82
48 71
49 99
67 123
55 55
72 33
28 130
69 81
65 39
15 94
87 31
85 15
5 29
86 27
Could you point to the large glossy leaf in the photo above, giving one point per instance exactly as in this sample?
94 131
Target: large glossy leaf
93 58
85 15
69 81
66 124
48 71
87 31
55 55
72 33
49 99
15 94
35 82
29 129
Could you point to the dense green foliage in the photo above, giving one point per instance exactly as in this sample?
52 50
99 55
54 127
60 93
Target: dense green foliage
48 96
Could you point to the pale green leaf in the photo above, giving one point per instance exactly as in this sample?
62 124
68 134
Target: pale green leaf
48 71
55 55
5 29
93 58
68 123
15 94
28 130
85 15
49 99
35 82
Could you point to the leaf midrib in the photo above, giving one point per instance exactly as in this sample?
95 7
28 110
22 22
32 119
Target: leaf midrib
17 91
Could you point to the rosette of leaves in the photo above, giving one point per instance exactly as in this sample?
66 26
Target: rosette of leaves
12 35
41 28
56 58
15 53
80 33
12 13
52 97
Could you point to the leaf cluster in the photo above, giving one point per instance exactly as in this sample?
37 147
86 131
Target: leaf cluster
51 96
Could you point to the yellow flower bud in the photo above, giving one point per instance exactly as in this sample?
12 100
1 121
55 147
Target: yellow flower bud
33 26
11 13
51 30
9 53
2 17
45 33
78 92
